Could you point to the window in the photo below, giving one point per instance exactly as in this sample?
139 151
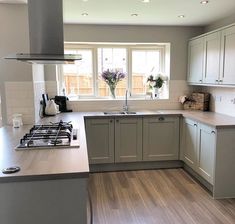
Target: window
83 79
112 58
144 63
78 78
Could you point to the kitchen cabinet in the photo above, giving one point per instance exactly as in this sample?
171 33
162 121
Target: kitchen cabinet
211 58
199 148
112 140
206 152
196 60
128 139
160 138
190 142
228 56
100 140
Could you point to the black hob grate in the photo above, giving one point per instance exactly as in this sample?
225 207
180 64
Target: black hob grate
51 135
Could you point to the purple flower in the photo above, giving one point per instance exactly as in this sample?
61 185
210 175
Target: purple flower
112 77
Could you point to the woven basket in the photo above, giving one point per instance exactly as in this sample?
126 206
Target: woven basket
198 101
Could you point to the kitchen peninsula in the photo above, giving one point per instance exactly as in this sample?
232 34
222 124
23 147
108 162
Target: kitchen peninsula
51 186
53 182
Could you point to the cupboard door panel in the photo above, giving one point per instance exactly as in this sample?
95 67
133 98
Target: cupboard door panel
212 59
190 143
128 139
206 150
196 60
161 138
100 140
228 56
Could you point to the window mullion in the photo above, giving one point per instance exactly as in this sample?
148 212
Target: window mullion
95 71
129 56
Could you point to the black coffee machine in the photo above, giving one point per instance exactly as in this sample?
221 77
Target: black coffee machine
62 102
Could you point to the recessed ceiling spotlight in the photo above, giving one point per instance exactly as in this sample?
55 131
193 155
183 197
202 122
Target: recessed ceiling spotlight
145 1
85 0
181 16
84 14
134 14
204 2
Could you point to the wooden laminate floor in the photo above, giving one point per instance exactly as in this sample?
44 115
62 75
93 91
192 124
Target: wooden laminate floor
155 197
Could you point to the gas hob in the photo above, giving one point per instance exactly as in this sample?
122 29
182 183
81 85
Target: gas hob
53 135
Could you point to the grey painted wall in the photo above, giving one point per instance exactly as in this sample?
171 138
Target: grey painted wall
220 23
13 39
177 36
50 72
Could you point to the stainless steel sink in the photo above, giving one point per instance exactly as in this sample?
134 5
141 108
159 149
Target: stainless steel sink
114 112
130 112
119 112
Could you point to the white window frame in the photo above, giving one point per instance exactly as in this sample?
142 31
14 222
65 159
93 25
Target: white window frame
129 48
159 48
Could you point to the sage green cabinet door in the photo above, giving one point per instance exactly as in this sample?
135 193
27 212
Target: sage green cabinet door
212 58
206 152
160 138
128 139
196 57
100 140
190 143
228 56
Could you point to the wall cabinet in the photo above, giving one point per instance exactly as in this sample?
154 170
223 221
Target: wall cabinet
196 60
228 56
211 58
199 148
112 140
160 138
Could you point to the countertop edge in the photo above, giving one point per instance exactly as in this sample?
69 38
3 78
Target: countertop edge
43 177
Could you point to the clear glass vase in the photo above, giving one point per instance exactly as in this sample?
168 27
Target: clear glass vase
112 89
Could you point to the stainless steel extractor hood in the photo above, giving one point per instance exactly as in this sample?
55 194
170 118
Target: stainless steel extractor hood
46 34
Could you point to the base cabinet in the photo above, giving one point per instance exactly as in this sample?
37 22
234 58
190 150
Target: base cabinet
160 138
128 139
199 148
100 140
112 140
206 152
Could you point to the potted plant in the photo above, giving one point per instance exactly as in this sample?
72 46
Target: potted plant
155 83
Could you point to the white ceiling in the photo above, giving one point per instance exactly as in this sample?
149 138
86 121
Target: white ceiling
156 12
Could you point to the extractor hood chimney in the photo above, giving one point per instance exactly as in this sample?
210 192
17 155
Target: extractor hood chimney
46 34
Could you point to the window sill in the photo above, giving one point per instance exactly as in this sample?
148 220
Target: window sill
115 100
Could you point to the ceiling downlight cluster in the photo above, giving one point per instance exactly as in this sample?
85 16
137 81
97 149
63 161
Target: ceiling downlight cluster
181 16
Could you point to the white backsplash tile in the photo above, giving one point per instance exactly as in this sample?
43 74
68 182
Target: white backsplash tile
222 99
177 88
51 88
39 89
20 99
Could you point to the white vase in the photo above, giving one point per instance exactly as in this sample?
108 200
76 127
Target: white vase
155 93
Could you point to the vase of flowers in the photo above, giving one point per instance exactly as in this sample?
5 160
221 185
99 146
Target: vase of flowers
112 78
155 84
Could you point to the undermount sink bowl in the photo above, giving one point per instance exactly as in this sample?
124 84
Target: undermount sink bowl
114 112
130 112
119 112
